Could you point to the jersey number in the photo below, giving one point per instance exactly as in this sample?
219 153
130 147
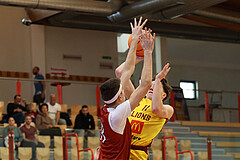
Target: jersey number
145 107
102 136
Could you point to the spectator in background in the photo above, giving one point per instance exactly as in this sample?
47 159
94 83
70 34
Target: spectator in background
16 109
30 138
84 120
30 112
54 110
39 95
17 134
44 123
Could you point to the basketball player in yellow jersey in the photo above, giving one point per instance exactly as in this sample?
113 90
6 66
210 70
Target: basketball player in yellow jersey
149 117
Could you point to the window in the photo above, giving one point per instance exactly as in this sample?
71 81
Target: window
189 89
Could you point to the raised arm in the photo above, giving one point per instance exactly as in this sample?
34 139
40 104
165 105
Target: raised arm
158 108
146 78
130 87
129 65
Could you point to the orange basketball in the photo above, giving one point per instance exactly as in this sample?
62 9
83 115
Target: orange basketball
139 51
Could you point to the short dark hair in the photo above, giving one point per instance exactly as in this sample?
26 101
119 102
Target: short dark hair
166 88
44 104
27 116
84 106
109 89
17 95
36 68
11 117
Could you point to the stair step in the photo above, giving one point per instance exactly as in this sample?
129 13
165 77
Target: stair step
178 129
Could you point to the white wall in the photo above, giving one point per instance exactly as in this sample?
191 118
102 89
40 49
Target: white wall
91 46
215 66
15 51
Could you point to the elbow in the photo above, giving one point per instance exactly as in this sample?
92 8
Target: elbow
160 113
118 73
146 83
156 111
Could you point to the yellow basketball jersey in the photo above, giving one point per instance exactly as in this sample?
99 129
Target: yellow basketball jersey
145 125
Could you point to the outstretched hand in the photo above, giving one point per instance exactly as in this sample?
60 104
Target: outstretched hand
164 72
137 28
147 40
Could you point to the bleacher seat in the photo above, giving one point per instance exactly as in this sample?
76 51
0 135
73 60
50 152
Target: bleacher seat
46 140
172 155
170 145
25 153
4 153
167 132
43 153
202 156
64 108
187 156
185 145
62 127
74 154
75 109
80 142
58 142
157 154
58 153
156 144
93 143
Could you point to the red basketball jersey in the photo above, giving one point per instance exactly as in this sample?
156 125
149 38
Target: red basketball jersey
114 146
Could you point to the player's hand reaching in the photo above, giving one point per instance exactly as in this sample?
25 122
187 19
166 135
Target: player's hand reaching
147 40
137 28
164 72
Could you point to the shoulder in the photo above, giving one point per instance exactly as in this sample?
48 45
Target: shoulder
33 128
40 76
58 105
10 104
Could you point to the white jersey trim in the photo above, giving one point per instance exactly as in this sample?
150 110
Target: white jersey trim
118 116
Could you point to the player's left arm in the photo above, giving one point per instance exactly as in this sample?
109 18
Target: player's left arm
158 108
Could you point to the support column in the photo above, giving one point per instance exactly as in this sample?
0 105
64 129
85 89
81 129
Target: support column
207 107
160 52
38 49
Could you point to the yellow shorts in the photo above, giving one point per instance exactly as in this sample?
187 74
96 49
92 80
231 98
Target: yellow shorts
138 155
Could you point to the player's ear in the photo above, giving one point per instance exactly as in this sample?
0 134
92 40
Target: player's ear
164 95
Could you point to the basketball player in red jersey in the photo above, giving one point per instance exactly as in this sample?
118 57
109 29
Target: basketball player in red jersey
116 130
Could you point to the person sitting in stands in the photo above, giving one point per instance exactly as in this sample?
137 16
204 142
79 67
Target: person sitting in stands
16 109
44 123
30 138
17 134
54 110
85 121
30 112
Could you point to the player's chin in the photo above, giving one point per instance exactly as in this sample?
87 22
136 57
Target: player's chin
149 96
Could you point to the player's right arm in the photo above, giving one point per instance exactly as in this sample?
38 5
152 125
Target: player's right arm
129 65
130 87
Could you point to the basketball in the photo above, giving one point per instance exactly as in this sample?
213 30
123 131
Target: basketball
139 51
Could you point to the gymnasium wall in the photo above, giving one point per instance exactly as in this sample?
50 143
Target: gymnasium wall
215 66
91 46
15 51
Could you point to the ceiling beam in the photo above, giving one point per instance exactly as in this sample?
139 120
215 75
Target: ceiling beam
215 23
